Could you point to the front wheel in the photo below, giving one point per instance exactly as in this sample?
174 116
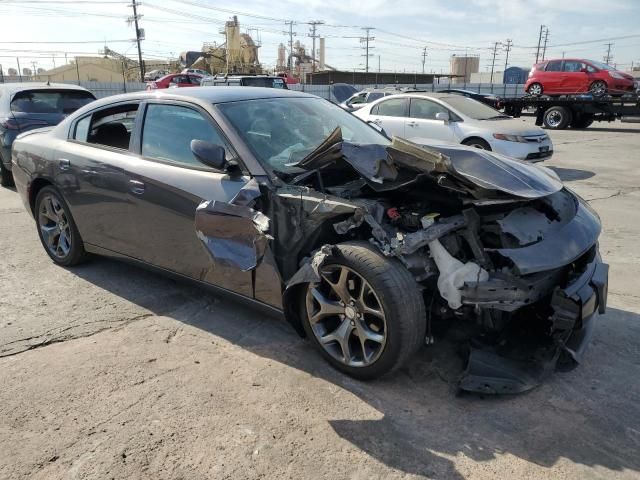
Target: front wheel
56 228
598 88
366 315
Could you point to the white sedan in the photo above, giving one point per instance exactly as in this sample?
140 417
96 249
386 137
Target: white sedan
455 119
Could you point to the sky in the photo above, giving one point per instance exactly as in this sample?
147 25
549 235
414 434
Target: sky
35 30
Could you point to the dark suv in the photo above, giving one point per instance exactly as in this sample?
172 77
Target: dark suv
25 106
244 81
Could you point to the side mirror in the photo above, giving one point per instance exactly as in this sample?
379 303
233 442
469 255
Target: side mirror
209 153
444 116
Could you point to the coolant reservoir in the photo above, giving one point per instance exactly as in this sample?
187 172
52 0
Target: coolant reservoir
454 273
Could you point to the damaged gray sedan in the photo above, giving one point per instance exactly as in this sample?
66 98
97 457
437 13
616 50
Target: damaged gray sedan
366 245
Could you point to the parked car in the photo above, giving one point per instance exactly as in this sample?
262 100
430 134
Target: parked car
197 71
487 98
265 81
288 78
176 80
360 99
444 117
287 201
29 105
154 75
572 75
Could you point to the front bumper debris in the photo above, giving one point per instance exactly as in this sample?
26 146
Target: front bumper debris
528 360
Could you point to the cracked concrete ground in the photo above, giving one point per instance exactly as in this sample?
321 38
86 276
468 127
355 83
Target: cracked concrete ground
111 372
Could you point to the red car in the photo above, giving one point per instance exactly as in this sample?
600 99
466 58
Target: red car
176 80
571 75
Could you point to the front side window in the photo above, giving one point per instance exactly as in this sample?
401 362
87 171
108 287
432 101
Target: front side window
283 131
572 66
50 101
394 107
169 129
425 109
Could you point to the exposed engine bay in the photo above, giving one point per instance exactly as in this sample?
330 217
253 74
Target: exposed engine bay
513 254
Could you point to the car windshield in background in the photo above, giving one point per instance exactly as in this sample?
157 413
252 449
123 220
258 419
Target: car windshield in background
472 108
601 66
373 96
50 101
281 132
264 82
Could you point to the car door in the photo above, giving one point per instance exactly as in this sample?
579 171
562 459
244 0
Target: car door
552 76
167 185
390 114
91 174
422 122
574 77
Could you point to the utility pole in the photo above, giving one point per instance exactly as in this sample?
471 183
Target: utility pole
493 59
366 40
546 38
314 24
507 48
19 71
290 62
135 21
424 58
542 27
607 58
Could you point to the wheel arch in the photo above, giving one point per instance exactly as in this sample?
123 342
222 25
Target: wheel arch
475 136
36 185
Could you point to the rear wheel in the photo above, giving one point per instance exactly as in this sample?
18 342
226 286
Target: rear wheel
476 142
366 315
598 88
557 118
6 177
535 89
582 121
56 228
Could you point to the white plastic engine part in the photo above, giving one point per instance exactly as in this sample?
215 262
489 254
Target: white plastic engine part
454 273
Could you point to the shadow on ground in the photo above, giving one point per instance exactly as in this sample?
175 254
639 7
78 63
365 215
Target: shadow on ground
572 174
590 416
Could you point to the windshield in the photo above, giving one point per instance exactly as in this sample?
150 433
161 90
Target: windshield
472 108
283 131
50 101
601 66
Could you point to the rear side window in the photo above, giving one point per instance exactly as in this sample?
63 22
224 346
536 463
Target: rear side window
50 101
394 107
110 127
554 67
169 129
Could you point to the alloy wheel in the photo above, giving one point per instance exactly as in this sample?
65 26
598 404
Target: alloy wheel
346 316
535 89
598 88
54 226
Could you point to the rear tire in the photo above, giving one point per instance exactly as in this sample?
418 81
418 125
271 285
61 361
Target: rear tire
535 89
381 303
582 121
6 177
57 229
477 142
557 118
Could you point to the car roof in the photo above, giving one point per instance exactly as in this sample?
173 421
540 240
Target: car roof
210 95
438 95
16 87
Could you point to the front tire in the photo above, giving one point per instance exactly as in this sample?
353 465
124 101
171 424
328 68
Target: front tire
598 88
366 316
57 229
476 142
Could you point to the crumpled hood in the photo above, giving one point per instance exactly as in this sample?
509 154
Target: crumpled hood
493 171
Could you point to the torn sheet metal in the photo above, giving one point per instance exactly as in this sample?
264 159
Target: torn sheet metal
371 161
526 224
246 195
413 241
234 235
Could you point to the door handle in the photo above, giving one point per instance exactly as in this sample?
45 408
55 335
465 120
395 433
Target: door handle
377 121
64 164
136 187
412 124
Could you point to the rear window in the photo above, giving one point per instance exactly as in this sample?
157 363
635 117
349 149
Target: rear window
50 101
264 82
